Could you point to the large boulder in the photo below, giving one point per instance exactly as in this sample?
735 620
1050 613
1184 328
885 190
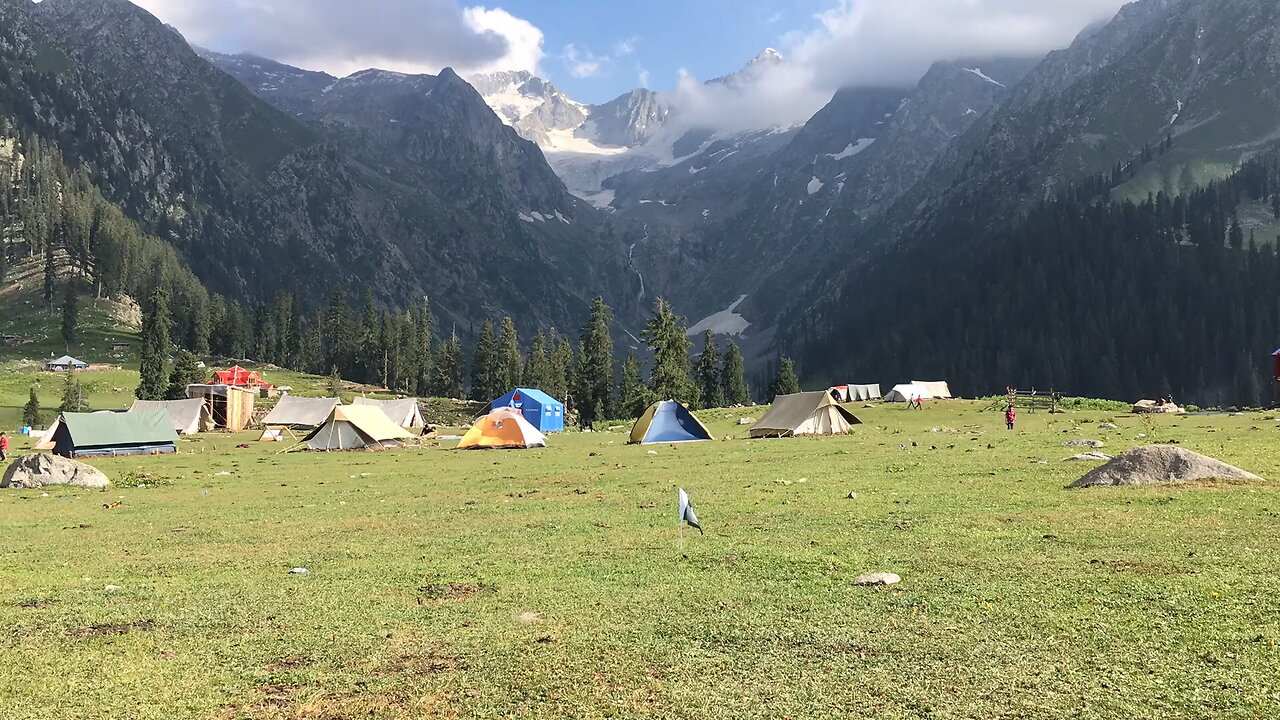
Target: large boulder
39 470
1159 464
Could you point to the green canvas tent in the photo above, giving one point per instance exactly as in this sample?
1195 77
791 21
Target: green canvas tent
112 434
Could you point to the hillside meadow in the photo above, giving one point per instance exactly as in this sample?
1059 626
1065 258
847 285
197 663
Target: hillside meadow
551 583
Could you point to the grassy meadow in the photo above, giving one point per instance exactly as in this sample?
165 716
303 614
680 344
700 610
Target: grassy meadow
551 583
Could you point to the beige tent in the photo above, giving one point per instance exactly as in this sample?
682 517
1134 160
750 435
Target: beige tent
855 393
404 412
46 440
354 427
188 416
812 413
938 389
299 413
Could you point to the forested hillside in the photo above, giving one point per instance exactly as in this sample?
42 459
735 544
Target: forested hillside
1085 294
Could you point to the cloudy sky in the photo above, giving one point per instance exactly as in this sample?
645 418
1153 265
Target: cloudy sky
597 49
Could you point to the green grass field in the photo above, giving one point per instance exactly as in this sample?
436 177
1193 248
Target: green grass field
550 583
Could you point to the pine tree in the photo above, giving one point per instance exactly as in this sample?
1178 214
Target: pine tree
339 334
707 372
50 276
334 383
510 365
733 377
73 399
155 347
486 378
447 368
665 335
561 369
70 315
31 414
633 396
785 383
595 366
1236 235
186 371
537 370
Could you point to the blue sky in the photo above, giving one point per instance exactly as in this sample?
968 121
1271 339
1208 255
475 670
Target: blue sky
706 37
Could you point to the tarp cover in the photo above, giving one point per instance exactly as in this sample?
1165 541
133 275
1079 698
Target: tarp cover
668 422
812 413
187 416
936 388
404 412
855 393
908 392
80 434
355 427
504 428
298 412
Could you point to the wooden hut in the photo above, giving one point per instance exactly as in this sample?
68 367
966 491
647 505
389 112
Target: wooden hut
230 406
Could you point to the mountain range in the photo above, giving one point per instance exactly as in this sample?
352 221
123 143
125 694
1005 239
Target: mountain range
500 194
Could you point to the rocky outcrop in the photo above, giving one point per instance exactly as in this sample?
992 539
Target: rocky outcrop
1160 464
42 470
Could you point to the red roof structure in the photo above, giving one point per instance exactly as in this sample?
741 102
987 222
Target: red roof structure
237 376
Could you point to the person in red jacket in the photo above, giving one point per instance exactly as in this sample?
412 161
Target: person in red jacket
1010 416
4 447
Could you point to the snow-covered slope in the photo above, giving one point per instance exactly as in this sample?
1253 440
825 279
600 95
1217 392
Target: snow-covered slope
586 145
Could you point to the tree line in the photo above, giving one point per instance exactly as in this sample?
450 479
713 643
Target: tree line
1085 294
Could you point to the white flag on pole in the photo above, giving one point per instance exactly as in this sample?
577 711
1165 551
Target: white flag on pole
685 511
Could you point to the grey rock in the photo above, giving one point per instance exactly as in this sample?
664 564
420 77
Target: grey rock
1160 464
1107 426
1089 456
41 470
879 579
1085 443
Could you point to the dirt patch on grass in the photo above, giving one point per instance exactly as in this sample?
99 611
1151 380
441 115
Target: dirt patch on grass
36 603
107 629
288 663
434 592
1139 567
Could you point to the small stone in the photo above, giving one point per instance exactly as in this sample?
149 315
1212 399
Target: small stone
745 421
1085 443
851 496
880 579
1107 426
299 571
1094 456
111 588
652 452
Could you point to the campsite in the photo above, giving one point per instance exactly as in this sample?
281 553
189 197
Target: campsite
548 582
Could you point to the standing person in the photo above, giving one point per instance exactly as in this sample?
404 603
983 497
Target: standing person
1010 417
4 447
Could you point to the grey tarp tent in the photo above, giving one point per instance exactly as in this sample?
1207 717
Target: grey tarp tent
855 393
298 413
113 434
812 413
188 416
404 412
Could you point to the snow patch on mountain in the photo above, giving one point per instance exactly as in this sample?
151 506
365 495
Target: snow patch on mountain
853 149
725 322
984 76
814 185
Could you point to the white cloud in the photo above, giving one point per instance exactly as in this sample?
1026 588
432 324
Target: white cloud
342 36
581 62
625 47
642 74
881 42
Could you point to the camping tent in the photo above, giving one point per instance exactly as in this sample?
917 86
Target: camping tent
356 427
668 422
46 440
504 428
300 413
937 389
66 362
812 413
907 393
188 417
111 434
855 393
541 410
404 413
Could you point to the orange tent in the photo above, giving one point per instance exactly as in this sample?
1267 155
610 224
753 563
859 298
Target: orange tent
504 428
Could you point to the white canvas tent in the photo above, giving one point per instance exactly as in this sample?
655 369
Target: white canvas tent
908 392
404 412
188 417
356 427
298 413
813 413
937 388
855 393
